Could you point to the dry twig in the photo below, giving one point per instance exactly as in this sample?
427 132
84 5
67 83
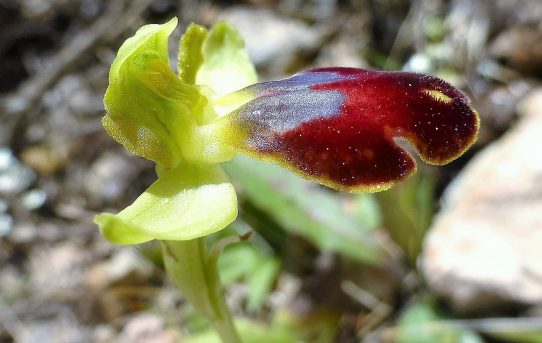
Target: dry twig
19 107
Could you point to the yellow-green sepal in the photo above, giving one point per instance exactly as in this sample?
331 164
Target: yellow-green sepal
186 202
149 109
226 66
152 37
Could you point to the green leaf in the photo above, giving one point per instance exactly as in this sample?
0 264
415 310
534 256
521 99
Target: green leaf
261 281
236 261
407 211
520 330
367 211
421 323
186 202
226 65
250 332
304 209
149 109
526 336
243 261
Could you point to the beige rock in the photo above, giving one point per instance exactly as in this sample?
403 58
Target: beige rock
484 249
283 38
121 284
58 269
147 328
125 267
509 46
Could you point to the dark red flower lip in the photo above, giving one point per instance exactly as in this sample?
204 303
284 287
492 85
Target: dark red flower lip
338 126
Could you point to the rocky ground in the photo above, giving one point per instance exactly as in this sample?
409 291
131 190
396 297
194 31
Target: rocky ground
480 265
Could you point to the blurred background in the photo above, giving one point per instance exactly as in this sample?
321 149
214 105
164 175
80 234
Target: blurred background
454 254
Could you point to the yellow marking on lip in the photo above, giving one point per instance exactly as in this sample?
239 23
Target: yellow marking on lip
438 95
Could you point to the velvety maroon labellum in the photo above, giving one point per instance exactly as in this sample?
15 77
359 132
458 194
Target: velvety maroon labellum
338 126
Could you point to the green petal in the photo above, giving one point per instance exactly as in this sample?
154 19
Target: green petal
186 202
190 54
226 66
149 109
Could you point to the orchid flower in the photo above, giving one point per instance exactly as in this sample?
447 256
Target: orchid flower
336 126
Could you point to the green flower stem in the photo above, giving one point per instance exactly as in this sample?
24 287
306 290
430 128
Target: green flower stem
195 274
